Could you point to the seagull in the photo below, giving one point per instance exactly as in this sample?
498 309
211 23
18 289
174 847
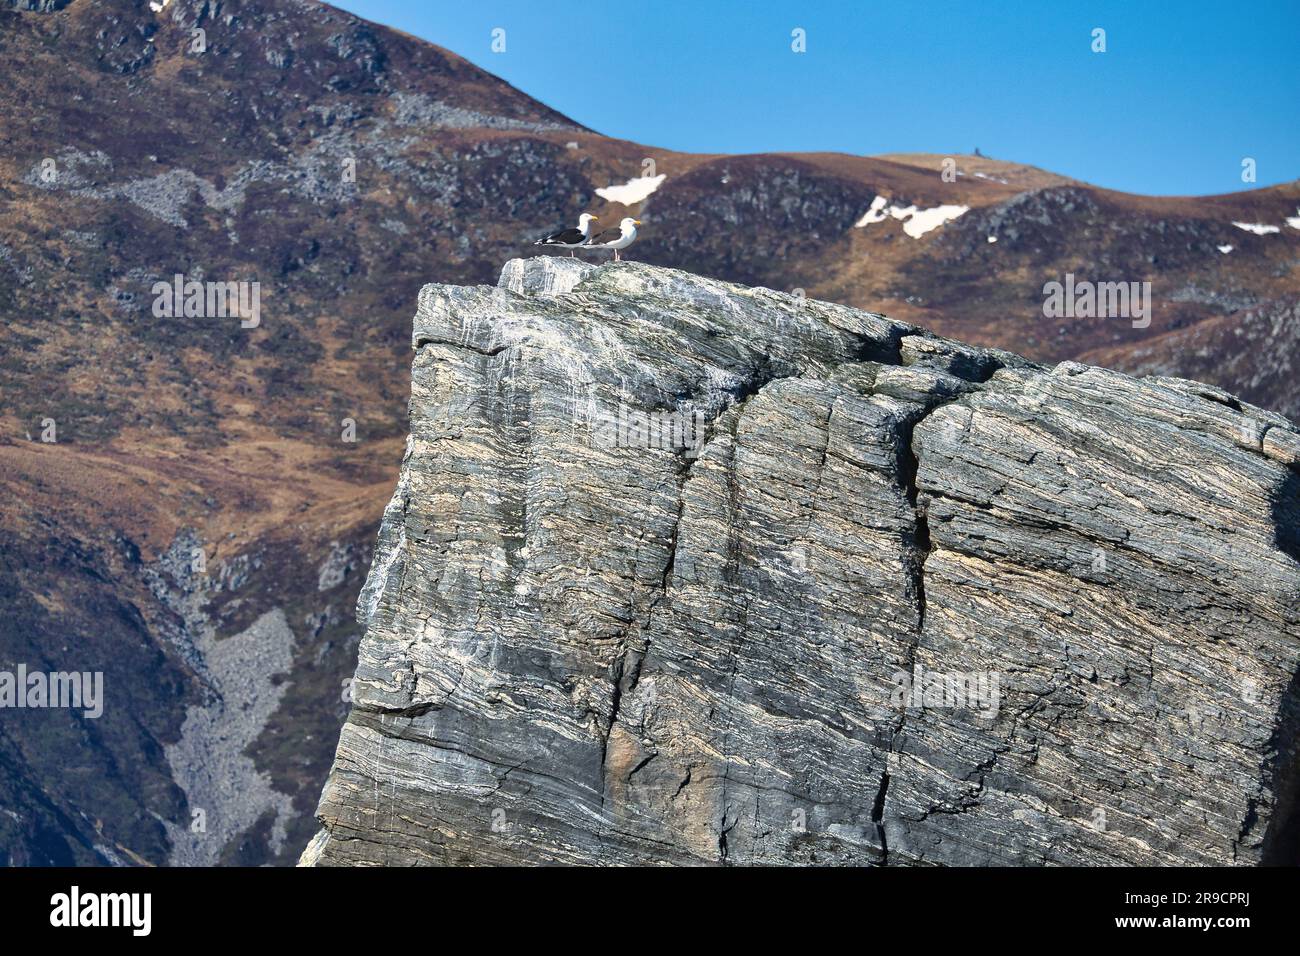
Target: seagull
570 238
615 239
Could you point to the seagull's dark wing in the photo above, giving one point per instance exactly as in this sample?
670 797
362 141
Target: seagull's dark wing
609 235
565 237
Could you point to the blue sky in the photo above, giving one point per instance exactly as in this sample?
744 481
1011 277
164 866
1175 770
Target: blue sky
1184 91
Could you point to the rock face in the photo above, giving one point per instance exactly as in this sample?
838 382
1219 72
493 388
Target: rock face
273 155
679 571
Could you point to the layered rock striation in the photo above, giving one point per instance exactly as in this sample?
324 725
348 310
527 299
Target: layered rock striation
679 571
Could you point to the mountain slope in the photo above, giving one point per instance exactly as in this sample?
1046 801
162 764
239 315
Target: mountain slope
186 508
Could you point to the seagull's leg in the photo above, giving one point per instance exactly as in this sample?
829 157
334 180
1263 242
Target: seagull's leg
616 255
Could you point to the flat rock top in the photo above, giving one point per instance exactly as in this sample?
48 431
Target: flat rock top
682 571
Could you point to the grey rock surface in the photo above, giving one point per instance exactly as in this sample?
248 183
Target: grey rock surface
679 571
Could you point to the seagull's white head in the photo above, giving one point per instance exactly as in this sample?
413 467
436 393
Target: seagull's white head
585 220
629 224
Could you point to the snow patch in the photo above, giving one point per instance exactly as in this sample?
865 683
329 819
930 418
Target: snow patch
925 220
1258 228
633 191
875 214
993 238
1294 221
916 222
1224 249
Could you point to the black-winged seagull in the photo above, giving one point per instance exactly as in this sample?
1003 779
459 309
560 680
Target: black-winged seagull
615 239
570 238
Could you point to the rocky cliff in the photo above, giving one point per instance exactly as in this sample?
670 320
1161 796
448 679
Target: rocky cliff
679 571
329 160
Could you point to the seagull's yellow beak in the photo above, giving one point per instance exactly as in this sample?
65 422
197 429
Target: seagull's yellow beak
637 221
593 217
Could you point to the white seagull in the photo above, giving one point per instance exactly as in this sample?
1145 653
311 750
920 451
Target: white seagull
615 239
570 238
